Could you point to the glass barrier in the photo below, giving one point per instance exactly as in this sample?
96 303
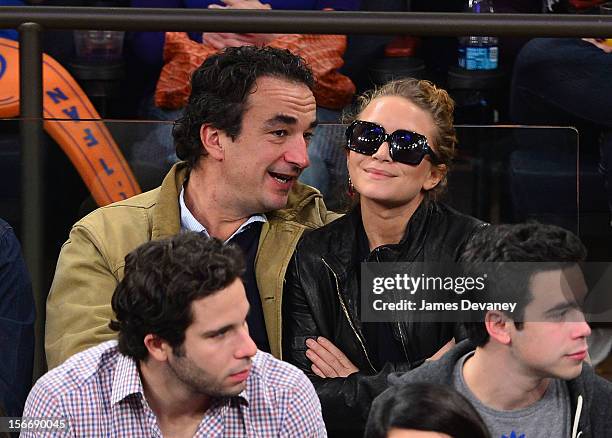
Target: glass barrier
500 174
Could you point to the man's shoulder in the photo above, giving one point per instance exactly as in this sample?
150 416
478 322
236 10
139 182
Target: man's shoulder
590 385
305 207
429 371
135 220
76 376
282 398
9 244
117 228
141 205
599 405
436 371
5 227
137 204
276 375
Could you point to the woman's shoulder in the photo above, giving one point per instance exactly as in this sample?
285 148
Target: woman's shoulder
454 228
455 218
328 238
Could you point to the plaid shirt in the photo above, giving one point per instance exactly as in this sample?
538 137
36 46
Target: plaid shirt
100 393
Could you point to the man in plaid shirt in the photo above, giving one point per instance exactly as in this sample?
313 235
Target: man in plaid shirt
184 363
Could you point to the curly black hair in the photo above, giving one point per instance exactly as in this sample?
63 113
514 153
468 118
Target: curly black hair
162 279
220 88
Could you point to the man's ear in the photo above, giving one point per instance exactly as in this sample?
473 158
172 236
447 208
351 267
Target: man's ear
158 348
212 139
436 174
497 324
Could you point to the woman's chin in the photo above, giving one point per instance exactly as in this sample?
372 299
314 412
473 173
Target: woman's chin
389 200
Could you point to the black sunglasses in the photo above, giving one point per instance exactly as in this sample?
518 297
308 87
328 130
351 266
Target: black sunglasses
405 147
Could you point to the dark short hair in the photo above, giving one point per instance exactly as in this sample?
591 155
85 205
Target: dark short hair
426 407
546 247
220 88
162 278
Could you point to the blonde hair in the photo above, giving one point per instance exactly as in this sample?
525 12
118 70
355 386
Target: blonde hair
431 99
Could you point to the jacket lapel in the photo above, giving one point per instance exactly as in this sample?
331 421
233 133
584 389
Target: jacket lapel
166 215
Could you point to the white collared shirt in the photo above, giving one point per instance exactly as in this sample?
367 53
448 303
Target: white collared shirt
190 223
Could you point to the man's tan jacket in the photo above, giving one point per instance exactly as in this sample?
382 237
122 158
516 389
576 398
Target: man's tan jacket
91 262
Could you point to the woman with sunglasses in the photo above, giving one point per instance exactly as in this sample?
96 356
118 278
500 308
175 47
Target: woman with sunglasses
399 147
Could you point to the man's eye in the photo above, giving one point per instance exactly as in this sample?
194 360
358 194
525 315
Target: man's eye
560 314
308 136
219 335
280 133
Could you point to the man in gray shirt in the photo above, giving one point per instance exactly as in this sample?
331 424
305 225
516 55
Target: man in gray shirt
525 372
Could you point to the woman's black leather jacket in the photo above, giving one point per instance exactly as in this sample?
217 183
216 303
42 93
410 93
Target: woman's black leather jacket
321 298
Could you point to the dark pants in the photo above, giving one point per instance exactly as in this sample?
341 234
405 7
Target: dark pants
566 81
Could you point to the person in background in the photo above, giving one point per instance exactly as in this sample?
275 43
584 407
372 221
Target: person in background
400 144
17 316
525 371
566 81
323 53
423 410
243 137
184 363
145 49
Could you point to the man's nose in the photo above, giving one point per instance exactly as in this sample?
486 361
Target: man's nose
246 347
297 153
581 328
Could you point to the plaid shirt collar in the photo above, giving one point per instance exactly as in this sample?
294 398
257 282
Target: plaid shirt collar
127 382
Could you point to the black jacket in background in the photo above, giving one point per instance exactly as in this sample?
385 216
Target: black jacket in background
321 298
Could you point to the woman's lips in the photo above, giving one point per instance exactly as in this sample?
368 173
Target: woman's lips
378 173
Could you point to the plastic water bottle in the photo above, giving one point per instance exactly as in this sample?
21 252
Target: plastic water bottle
478 52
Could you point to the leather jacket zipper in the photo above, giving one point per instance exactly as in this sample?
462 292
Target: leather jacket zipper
399 325
344 309
399 328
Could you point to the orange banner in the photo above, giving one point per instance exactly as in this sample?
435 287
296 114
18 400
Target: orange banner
82 136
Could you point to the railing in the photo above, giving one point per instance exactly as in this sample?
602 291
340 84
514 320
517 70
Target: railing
32 20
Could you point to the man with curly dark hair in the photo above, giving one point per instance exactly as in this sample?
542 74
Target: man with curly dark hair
243 139
184 363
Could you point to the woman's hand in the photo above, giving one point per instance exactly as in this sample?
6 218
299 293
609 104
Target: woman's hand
222 40
450 344
327 360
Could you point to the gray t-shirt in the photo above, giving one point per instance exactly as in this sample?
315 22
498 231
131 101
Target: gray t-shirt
549 417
